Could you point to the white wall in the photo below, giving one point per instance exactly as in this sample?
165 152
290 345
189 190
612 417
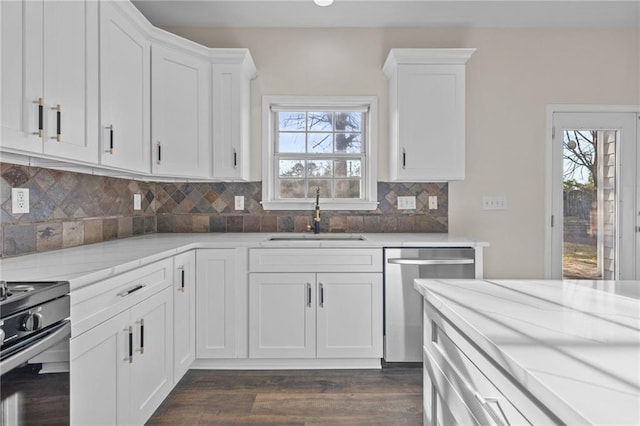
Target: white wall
511 78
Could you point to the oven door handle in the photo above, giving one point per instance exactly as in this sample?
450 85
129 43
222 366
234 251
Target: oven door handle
448 261
56 335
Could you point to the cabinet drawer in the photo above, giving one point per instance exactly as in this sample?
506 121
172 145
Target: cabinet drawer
94 304
315 260
488 392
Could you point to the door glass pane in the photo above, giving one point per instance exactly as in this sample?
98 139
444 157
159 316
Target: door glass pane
589 197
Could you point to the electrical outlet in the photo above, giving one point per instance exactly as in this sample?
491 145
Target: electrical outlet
19 200
433 202
239 202
494 202
406 203
137 202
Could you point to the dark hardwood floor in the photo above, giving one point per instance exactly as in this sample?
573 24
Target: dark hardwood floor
391 396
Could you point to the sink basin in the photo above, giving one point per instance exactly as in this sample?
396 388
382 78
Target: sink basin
317 237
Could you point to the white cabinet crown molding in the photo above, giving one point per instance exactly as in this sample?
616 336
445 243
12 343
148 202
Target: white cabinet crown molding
425 56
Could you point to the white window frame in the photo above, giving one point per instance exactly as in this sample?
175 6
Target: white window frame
369 179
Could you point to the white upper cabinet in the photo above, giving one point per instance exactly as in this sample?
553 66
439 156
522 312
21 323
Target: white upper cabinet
232 72
50 78
180 100
125 73
427 114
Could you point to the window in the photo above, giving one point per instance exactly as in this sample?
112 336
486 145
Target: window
319 143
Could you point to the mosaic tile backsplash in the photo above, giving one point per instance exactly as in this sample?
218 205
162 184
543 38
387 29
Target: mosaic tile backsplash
70 209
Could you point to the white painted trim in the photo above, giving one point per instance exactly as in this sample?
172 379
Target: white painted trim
425 56
371 159
285 364
550 110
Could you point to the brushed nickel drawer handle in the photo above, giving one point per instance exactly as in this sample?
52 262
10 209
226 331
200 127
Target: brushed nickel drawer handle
132 290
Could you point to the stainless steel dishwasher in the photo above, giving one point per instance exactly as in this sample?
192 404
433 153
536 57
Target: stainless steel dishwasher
403 304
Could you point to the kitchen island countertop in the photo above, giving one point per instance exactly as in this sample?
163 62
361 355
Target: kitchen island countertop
575 345
87 264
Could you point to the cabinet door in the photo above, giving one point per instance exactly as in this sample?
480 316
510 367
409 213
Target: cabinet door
215 305
180 114
100 374
184 313
21 77
71 79
349 315
152 366
231 105
430 138
282 316
124 91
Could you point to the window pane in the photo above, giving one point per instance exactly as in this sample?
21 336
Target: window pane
320 121
291 120
348 142
319 168
347 168
320 142
291 188
291 142
348 121
347 189
291 168
323 184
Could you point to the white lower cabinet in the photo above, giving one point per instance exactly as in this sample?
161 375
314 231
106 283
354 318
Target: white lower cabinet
122 347
100 378
216 288
463 386
184 313
152 364
309 315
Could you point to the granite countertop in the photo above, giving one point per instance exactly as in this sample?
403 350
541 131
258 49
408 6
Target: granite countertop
575 345
90 263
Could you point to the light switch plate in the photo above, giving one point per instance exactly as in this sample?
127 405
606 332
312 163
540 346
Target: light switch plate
137 202
495 202
239 202
433 202
19 200
406 203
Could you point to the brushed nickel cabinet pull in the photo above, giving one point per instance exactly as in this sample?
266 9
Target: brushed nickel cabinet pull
132 290
159 152
321 295
130 344
141 336
404 158
58 110
110 129
181 269
40 104
235 158
308 295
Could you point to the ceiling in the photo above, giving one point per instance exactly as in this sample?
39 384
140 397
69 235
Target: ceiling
392 13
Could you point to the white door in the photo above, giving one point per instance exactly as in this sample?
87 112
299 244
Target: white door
349 315
124 91
100 374
216 289
180 114
21 77
282 315
184 313
594 196
71 79
152 366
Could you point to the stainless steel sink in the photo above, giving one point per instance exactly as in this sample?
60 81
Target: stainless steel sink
317 237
